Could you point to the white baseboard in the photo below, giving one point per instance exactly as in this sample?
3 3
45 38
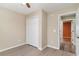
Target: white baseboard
12 47
48 46
53 47
42 48
25 43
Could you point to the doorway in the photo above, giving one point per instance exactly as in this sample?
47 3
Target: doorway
67 33
66 44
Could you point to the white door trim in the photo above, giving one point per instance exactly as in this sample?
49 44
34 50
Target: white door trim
59 20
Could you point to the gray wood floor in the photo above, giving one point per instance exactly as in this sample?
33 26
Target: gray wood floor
27 50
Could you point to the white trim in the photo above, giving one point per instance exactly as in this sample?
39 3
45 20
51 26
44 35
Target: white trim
12 47
42 48
53 47
59 19
48 46
58 32
68 13
76 47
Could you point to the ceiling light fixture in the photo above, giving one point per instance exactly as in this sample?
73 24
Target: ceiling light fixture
27 4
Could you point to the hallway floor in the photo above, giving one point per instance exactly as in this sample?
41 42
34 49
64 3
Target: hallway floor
28 50
67 46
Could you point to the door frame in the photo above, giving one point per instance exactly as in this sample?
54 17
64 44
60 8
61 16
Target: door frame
59 20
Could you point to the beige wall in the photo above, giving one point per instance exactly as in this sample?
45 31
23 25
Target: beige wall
12 29
52 26
52 31
44 29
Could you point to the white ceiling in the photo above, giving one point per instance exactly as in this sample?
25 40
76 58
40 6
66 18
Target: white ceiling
48 7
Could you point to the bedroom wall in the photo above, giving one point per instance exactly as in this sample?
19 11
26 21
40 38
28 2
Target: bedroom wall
12 29
44 29
52 30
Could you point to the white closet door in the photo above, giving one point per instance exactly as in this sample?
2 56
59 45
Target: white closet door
33 38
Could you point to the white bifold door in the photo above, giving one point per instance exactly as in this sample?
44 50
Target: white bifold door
33 31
